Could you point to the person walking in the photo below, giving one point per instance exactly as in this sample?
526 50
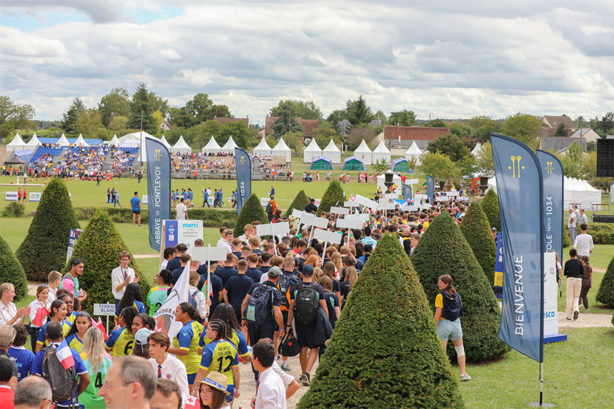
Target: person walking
181 210
587 282
573 270
572 225
135 203
584 242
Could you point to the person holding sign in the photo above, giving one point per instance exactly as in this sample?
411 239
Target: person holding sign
122 276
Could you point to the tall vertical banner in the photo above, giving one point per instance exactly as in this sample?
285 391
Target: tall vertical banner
407 193
552 201
430 189
519 186
158 189
243 165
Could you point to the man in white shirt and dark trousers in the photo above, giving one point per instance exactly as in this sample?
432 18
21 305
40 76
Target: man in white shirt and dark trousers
165 365
584 242
572 225
122 276
271 393
182 210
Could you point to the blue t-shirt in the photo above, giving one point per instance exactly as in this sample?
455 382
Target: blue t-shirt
135 202
24 359
237 287
254 273
225 273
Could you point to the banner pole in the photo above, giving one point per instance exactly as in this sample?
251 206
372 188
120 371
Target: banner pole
274 241
541 384
208 269
310 237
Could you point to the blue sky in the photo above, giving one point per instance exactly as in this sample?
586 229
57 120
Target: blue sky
442 59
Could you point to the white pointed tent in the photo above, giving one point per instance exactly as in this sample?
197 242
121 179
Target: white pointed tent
211 147
114 141
364 153
16 145
312 151
332 152
80 141
33 142
229 146
281 149
476 151
413 153
165 142
381 153
263 148
181 146
63 141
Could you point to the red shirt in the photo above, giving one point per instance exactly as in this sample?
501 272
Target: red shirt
6 397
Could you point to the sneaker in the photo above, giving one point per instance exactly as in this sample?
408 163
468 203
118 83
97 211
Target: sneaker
304 379
285 367
575 315
465 377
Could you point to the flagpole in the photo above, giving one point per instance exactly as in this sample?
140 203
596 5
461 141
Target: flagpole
273 237
541 384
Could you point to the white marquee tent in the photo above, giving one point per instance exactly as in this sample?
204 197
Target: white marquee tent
363 152
332 152
211 147
16 145
114 141
263 149
381 153
63 141
229 146
181 146
312 151
80 141
413 152
165 142
133 140
281 149
476 151
33 142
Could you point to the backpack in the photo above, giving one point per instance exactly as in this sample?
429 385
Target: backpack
63 382
269 207
258 308
284 284
192 300
307 301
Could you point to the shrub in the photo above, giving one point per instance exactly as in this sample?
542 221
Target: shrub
476 229
490 205
332 197
444 250
300 201
99 247
384 351
605 295
252 211
14 209
44 248
210 217
11 270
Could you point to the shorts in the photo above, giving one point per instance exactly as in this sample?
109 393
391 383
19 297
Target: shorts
191 378
231 393
450 330
136 212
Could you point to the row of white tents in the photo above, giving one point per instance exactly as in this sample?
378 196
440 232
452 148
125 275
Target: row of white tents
18 144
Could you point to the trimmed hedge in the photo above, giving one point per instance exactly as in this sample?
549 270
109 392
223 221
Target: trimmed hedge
252 211
444 250
210 217
44 248
490 205
384 351
605 295
332 197
99 247
476 229
300 201
14 209
11 270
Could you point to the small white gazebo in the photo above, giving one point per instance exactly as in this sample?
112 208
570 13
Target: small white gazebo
363 152
165 142
229 146
211 147
114 141
33 142
413 152
16 145
381 153
63 141
263 148
281 149
312 151
476 151
332 152
80 141
181 146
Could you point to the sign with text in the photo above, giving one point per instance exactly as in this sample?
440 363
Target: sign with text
11 196
297 213
332 237
551 316
339 210
145 199
104 309
277 229
204 254
309 219
351 204
182 231
372 204
362 217
72 242
35 196
349 224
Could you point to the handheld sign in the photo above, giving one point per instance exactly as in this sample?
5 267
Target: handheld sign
107 310
273 229
363 217
204 254
327 236
339 210
349 223
351 204
297 213
309 219
372 204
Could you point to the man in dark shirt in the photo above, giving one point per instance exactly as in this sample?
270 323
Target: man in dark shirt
236 288
183 260
311 207
229 269
253 271
573 271
174 263
275 319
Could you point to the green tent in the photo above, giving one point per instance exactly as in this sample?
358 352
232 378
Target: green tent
353 163
321 163
399 165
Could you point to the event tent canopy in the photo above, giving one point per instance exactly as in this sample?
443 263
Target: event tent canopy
281 149
399 165
476 151
312 151
353 163
63 141
165 142
114 141
381 153
321 163
80 141
332 152
17 144
263 148
33 141
211 147
229 146
363 152
181 146
413 152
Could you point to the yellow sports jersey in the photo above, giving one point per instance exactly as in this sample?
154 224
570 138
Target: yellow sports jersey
220 356
187 340
41 334
237 339
75 343
72 317
120 342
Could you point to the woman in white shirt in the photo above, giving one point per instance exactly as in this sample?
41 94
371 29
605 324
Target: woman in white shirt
42 295
9 314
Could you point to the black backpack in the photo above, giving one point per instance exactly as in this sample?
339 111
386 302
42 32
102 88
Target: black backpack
258 308
284 284
63 382
269 207
192 299
307 301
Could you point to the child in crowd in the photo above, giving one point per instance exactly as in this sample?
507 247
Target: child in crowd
121 339
18 353
75 337
38 318
53 282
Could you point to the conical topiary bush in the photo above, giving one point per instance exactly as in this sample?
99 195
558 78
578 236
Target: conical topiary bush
384 352
300 201
476 229
44 248
444 250
252 211
490 205
11 270
99 247
605 295
332 197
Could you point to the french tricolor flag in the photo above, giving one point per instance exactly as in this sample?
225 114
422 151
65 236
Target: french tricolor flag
65 355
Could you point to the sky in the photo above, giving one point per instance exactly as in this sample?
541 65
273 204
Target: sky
445 59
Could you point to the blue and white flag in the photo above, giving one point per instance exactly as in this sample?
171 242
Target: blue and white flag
243 164
430 189
519 186
552 201
158 189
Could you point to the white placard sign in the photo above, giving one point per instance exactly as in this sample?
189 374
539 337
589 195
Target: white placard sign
349 224
297 213
372 204
145 199
277 229
351 204
391 196
388 206
411 181
327 236
35 196
551 317
104 309
11 196
309 219
204 254
363 217
339 210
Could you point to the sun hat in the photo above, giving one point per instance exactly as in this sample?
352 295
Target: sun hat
217 381
141 336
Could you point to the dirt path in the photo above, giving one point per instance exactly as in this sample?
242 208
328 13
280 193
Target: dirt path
585 320
146 255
